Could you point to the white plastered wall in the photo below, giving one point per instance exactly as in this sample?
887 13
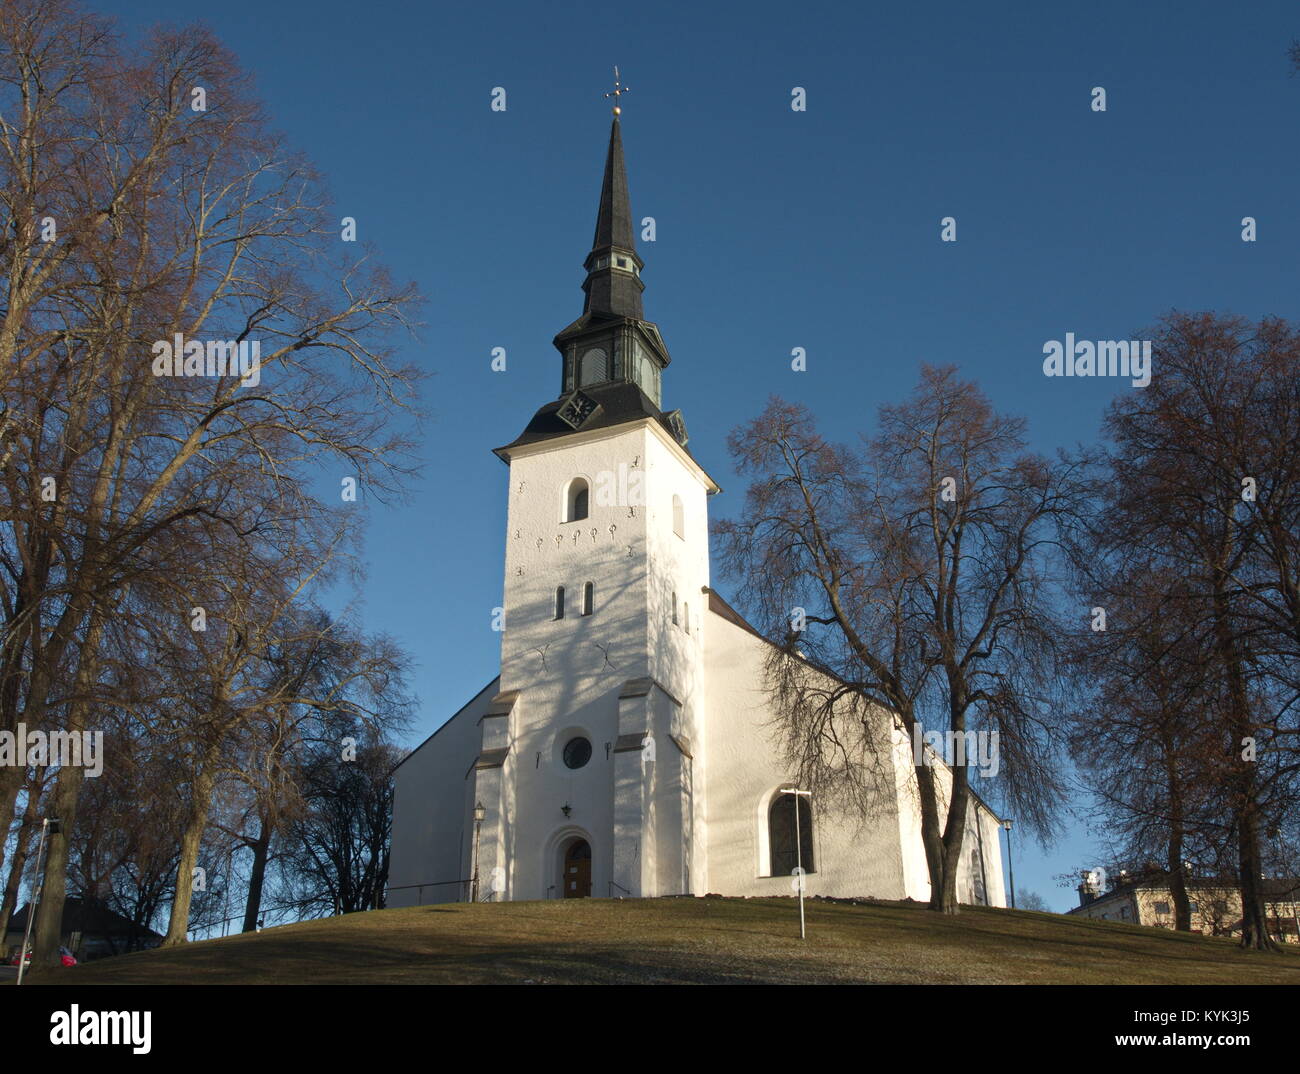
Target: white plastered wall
853 856
430 808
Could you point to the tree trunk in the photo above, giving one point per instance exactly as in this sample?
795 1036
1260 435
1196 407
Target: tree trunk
191 838
67 791
381 883
47 934
931 834
1254 922
11 782
1178 885
28 833
954 831
953 837
1174 856
261 851
1254 927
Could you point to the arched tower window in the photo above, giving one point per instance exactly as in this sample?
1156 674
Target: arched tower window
575 500
786 850
679 522
588 597
559 602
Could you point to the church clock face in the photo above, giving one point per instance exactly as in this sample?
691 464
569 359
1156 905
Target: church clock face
576 409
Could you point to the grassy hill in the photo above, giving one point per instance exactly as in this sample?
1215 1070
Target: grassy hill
601 941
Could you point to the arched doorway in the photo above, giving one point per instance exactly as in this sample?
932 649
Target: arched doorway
577 870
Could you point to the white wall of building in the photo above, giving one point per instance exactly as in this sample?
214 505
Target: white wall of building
570 672
853 856
431 803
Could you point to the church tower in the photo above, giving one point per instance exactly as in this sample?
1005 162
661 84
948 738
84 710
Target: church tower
585 771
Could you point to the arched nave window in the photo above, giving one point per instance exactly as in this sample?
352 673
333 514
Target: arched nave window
674 607
575 500
781 834
559 602
588 597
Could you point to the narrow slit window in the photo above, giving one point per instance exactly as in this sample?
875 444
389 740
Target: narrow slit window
674 607
588 597
559 602
679 522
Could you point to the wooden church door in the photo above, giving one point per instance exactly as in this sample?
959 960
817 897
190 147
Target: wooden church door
577 871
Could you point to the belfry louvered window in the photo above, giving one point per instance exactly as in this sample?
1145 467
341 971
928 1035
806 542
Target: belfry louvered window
595 367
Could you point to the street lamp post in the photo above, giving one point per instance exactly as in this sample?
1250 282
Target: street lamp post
1011 869
798 850
480 811
48 827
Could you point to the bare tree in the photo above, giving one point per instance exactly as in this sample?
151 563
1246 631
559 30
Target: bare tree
1146 736
173 224
347 686
1202 477
337 852
922 563
1031 900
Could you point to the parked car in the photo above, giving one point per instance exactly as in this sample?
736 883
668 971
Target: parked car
66 958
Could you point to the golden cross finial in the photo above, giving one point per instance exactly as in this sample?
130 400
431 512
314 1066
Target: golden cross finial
619 90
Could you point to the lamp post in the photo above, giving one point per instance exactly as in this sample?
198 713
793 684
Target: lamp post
798 850
480 811
48 827
1011 869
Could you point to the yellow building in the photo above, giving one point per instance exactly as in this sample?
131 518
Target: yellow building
1215 904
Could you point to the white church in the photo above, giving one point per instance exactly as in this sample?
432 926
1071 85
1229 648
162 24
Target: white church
626 748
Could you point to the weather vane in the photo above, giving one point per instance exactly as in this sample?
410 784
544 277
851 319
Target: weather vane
619 90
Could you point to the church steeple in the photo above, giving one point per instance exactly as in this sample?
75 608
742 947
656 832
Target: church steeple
613 285
612 342
612 357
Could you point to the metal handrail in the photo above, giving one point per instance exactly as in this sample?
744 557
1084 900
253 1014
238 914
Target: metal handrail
429 884
613 885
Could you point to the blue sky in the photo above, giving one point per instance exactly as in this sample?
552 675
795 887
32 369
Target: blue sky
775 229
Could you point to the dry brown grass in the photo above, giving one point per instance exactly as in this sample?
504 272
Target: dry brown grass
601 941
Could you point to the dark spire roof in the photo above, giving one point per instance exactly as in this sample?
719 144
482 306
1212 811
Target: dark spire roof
613 283
613 357
615 403
614 220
